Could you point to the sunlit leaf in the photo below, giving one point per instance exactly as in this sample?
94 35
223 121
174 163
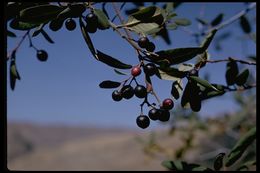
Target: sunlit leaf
113 62
103 22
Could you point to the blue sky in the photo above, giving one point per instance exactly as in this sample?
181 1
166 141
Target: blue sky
65 89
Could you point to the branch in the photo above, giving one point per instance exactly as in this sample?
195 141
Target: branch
233 19
18 45
245 87
232 59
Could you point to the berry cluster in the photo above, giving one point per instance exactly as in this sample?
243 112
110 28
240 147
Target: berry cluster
144 42
127 91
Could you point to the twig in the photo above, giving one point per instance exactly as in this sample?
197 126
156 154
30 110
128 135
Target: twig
18 45
232 59
234 18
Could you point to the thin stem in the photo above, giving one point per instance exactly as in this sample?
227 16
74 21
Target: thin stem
18 45
234 18
237 60
30 42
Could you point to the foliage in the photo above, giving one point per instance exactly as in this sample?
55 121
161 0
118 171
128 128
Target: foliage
146 22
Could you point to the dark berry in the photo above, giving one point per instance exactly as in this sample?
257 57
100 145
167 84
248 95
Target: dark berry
150 69
70 24
92 19
194 72
42 55
55 24
154 114
127 91
91 28
140 91
143 121
168 104
164 115
116 96
143 42
150 47
136 71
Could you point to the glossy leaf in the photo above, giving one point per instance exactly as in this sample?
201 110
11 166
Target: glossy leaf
182 22
87 38
245 25
231 72
217 20
119 72
40 14
203 82
177 89
73 11
103 21
146 28
242 77
218 163
19 25
46 36
109 84
10 34
240 147
113 62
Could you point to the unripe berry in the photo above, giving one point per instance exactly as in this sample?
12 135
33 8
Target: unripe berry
168 104
143 121
136 71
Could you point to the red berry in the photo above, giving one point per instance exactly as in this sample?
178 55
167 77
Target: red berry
136 71
168 104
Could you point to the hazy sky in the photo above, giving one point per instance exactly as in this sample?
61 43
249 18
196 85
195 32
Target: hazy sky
65 88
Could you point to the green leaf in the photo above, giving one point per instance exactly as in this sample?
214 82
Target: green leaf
182 22
203 82
245 25
112 61
19 25
145 13
109 84
231 72
169 7
206 42
46 36
217 19
171 15
119 72
195 100
103 21
245 166
183 166
13 71
185 99
146 28
185 67
73 11
177 89
179 55
40 14
242 77
218 163
240 147
170 73
201 59
202 21
87 38
172 26
10 34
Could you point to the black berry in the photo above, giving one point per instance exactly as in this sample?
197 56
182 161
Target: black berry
168 104
150 69
127 91
70 24
116 96
140 91
42 55
164 115
91 29
92 19
154 114
143 121
55 24
143 42
150 47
